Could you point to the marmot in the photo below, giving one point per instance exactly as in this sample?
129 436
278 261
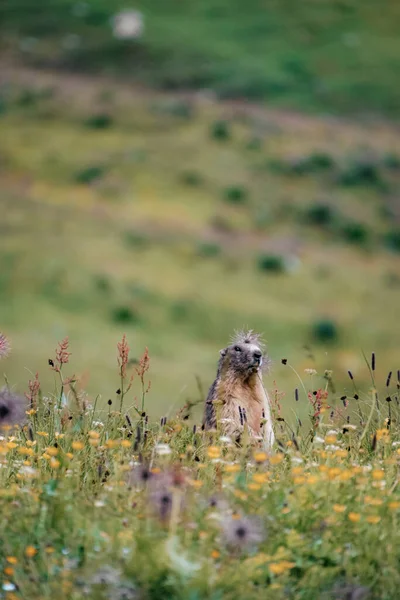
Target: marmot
237 395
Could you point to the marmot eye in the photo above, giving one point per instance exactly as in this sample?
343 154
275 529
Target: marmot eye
237 349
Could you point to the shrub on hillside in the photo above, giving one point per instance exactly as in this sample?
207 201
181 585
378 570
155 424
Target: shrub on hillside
271 263
392 240
361 171
220 130
124 315
355 233
208 249
90 174
99 121
324 331
320 214
236 194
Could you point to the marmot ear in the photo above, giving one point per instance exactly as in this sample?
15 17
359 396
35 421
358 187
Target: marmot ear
222 352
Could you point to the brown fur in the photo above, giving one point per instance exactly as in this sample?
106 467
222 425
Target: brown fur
239 384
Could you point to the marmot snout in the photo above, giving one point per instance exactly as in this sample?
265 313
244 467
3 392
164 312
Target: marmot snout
237 395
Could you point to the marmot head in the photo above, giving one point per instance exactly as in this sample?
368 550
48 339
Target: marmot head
245 355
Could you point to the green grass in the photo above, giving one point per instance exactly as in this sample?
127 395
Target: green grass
107 504
92 259
339 57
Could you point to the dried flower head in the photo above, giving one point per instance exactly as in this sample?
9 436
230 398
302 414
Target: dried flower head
123 355
162 487
12 408
4 346
242 533
62 355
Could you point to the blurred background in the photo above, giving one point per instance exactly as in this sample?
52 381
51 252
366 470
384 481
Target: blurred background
178 169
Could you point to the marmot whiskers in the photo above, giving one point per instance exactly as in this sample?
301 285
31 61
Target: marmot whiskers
237 396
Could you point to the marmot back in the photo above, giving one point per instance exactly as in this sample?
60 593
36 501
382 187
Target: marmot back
237 395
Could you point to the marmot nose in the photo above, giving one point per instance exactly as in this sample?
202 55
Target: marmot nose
257 355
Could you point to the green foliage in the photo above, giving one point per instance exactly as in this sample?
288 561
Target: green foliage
271 263
320 214
392 240
114 503
325 331
124 315
208 249
99 121
220 130
319 63
236 194
363 171
355 233
90 174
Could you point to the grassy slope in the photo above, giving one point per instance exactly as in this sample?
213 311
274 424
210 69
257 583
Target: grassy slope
72 254
331 56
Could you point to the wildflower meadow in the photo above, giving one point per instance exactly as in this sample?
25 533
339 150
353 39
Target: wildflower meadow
99 499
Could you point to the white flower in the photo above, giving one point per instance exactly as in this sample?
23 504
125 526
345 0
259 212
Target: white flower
162 449
128 24
8 586
99 504
297 460
318 440
310 371
225 439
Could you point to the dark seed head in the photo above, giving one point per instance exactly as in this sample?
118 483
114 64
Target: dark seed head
296 395
284 361
350 375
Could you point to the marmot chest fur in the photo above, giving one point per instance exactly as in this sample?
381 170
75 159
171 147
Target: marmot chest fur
237 396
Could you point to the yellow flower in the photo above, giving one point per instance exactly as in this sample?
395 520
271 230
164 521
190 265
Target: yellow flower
260 456
11 445
261 477
276 459
299 480
277 568
232 468
110 444
339 508
311 479
94 434
297 471
49 550
54 463
394 505
346 475
333 472
330 439
373 501
126 444
42 433
30 551
378 474
196 483
9 571
253 487
213 452
94 441
77 446
59 436
354 517
382 434
12 560
215 554
31 412
341 453
373 519
52 451
69 455
26 451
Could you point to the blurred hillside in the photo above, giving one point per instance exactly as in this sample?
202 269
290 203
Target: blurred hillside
175 216
329 55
